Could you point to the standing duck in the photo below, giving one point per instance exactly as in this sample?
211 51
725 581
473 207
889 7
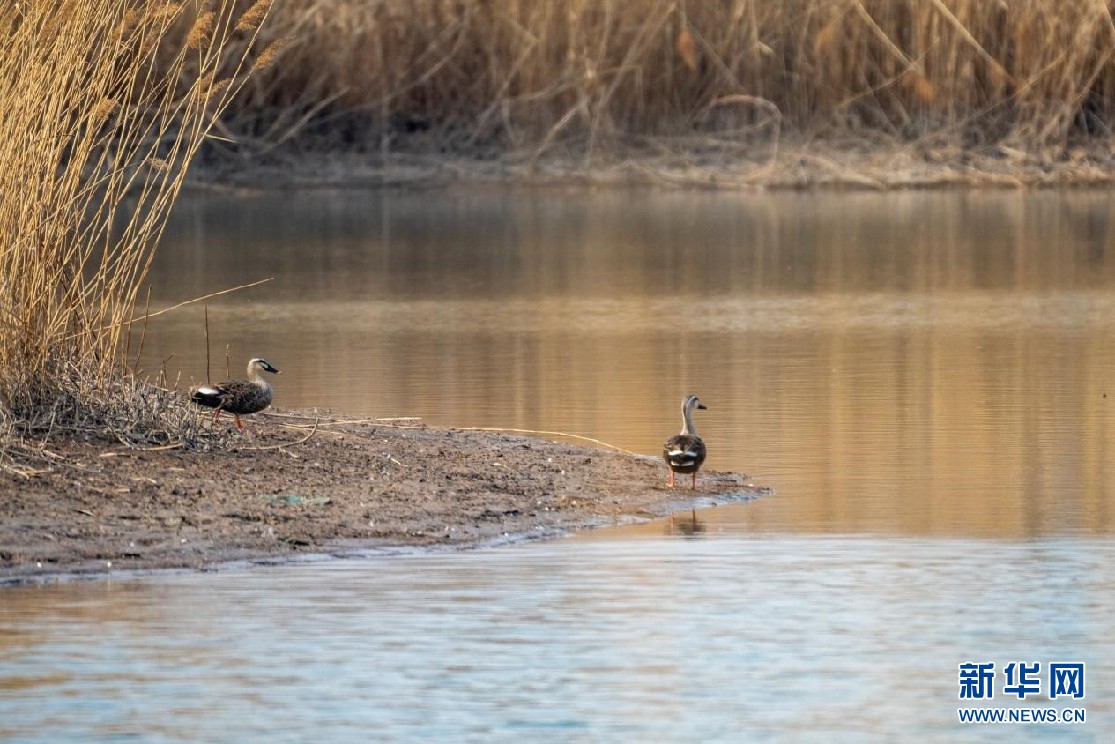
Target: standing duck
685 452
238 396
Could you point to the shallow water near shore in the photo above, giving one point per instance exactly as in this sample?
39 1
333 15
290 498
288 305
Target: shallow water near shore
654 635
920 377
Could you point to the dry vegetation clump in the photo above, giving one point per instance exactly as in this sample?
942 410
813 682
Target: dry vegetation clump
588 76
122 409
102 107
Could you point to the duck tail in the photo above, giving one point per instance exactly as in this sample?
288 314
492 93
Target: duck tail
207 396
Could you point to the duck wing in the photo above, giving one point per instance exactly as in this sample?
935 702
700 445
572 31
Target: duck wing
684 452
234 396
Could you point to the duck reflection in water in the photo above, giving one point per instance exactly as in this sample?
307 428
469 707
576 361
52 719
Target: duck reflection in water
685 526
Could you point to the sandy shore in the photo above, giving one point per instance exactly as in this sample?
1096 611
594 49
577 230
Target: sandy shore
314 484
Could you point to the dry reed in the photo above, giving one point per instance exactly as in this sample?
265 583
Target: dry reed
464 75
102 107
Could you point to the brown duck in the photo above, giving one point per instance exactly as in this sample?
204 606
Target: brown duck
685 452
238 396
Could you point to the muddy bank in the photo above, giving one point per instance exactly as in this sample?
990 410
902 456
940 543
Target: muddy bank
307 483
851 165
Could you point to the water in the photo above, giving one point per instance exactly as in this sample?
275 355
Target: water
920 377
644 638
912 363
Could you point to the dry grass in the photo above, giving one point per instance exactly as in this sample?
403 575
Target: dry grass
135 414
102 107
476 76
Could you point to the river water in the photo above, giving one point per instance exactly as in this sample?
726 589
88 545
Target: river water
615 638
920 377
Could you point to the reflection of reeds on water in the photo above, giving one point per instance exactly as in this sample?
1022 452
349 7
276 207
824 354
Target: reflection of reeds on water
470 75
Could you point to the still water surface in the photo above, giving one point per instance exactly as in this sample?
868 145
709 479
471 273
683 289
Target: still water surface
644 638
916 363
922 378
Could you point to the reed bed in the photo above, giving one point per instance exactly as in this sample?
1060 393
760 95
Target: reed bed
102 107
478 76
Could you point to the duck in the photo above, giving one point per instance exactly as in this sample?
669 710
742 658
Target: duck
685 452
238 396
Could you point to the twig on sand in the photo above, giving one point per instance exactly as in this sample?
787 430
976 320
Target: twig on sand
161 447
23 471
338 422
551 434
303 440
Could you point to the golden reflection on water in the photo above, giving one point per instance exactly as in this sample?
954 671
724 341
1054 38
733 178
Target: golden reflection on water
920 363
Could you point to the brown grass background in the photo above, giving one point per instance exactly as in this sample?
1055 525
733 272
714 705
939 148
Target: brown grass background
105 103
490 76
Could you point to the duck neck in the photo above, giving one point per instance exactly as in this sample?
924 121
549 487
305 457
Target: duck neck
687 426
257 378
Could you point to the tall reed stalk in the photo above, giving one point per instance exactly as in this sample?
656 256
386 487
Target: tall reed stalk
530 74
103 104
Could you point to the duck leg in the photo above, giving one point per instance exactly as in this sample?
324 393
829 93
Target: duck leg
671 478
216 415
239 425
694 486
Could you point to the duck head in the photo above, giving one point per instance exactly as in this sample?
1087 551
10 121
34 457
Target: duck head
261 365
